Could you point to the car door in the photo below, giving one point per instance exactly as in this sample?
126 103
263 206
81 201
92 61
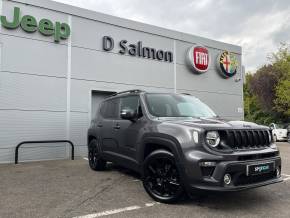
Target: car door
126 131
109 112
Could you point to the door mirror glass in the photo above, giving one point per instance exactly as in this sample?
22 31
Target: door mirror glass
128 114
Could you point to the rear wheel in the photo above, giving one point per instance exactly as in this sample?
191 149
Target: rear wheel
95 160
161 177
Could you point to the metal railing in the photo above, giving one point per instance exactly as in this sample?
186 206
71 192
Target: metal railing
46 142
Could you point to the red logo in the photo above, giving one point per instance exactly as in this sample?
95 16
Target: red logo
199 58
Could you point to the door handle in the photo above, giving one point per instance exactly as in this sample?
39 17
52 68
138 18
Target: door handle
117 126
99 125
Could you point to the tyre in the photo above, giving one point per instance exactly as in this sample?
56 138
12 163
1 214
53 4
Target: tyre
95 161
288 138
161 178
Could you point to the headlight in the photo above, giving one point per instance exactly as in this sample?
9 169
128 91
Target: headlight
213 138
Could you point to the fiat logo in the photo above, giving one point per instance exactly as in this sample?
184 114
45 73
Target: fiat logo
198 58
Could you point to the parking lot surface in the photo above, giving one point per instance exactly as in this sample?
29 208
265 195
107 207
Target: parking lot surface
70 189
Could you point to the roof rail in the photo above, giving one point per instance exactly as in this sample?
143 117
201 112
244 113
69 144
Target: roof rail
128 91
185 94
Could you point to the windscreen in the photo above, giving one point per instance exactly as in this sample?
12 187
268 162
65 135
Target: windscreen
174 105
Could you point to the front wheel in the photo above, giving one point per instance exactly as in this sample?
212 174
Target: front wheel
161 177
95 160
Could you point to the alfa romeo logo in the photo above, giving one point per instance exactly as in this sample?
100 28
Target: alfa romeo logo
227 64
198 58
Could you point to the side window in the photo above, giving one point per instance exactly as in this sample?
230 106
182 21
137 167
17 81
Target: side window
132 102
109 109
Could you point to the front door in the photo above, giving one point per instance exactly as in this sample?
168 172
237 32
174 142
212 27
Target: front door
126 131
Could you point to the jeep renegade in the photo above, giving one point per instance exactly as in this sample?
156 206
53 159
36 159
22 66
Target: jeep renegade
179 145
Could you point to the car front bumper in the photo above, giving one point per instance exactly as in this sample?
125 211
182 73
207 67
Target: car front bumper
212 178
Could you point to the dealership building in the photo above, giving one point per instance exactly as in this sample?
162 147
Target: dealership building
57 62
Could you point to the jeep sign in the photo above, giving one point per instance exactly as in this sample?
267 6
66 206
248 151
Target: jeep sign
60 31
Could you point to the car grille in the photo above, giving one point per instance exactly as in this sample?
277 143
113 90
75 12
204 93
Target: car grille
245 139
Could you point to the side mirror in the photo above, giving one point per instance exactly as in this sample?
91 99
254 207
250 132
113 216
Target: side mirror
128 114
271 127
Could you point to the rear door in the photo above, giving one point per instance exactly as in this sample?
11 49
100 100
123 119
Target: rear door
108 113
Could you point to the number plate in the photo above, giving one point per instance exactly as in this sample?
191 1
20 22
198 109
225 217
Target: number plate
256 169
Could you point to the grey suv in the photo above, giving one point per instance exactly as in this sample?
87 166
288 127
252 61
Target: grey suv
179 145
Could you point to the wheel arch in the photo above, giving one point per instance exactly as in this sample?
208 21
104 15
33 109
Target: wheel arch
152 143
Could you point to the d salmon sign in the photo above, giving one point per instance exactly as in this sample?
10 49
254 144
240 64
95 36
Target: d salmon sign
227 64
198 58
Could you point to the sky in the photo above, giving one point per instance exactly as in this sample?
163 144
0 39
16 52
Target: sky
259 26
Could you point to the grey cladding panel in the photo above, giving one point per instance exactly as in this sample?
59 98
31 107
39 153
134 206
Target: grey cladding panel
7 155
81 151
17 126
102 66
30 92
78 129
209 81
33 57
42 152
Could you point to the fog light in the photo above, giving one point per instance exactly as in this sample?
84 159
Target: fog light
227 179
207 164
278 172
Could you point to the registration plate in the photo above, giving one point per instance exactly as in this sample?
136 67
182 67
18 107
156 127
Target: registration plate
261 168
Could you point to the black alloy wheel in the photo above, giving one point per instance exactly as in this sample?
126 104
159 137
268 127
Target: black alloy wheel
95 161
161 178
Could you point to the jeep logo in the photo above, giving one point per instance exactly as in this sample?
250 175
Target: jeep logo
60 31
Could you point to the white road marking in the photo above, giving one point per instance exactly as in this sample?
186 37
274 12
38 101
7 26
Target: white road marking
151 204
116 211
85 158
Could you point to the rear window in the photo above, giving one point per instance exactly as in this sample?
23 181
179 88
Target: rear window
109 109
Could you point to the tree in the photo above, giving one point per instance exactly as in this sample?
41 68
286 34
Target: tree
267 93
282 101
262 85
281 64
